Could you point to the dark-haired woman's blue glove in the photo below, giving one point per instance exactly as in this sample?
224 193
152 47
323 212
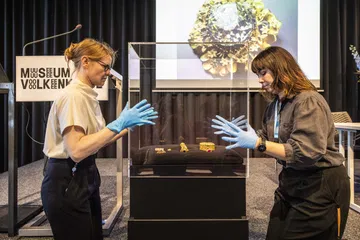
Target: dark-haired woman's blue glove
240 138
240 122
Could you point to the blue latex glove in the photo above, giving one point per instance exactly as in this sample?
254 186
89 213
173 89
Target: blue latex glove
241 138
149 117
140 114
242 124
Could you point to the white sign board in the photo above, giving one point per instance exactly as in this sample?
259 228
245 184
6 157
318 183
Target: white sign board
41 78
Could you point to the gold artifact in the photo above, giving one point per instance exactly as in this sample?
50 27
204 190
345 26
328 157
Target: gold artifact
207 146
159 150
183 147
227 34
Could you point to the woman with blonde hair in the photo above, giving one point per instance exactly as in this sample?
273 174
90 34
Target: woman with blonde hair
75 132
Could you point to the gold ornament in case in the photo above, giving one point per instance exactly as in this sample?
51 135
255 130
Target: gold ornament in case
183 147
207 146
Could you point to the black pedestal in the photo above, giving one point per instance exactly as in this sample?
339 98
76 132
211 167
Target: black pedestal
24 214
187 208
198 229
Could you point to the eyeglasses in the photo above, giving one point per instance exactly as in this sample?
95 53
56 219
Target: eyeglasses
104 65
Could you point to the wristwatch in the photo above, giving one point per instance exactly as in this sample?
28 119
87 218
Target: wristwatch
262 145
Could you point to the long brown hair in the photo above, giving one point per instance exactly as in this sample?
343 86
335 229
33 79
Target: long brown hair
287 74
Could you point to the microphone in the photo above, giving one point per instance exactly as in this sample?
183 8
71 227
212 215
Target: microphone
117 77
58 35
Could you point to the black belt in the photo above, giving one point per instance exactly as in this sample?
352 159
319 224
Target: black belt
83 164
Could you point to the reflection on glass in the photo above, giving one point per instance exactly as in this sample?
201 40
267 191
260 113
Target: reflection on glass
187 98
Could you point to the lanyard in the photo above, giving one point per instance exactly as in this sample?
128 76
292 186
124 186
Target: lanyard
73 170
277 119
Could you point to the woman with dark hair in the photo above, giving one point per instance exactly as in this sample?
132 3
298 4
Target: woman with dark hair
75 132
313 196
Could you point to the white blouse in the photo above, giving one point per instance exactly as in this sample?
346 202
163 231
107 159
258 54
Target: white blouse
77 105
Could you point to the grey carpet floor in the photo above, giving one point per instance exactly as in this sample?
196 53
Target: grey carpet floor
260 185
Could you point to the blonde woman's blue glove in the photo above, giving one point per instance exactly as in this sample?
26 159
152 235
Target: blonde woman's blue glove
241 138
140 114
149 117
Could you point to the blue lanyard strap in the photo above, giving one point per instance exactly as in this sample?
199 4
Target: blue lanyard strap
73 170
277 119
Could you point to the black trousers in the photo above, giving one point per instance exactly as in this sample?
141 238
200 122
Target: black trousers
307 204
72 201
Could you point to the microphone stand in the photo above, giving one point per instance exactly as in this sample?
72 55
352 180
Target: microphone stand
47 38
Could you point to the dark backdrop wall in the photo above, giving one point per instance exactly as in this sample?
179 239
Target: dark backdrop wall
340 28
118 22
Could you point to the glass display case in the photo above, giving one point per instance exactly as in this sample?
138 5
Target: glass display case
188 84
183 180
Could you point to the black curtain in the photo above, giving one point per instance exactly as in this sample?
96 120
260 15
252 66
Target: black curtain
340 28
116 22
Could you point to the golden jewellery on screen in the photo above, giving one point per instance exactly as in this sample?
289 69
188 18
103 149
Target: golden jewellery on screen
228 33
